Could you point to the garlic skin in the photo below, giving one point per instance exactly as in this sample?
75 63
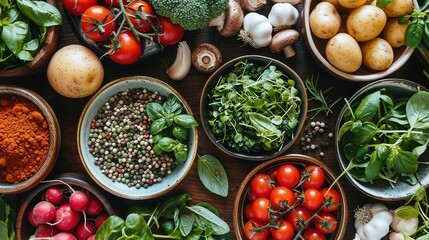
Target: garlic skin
182 64
406 226
372 221
282 16
256 30
396 236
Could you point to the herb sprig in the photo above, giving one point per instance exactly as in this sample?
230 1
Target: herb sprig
317 94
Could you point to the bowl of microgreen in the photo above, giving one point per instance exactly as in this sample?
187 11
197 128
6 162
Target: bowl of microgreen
253 107
137 137
381 139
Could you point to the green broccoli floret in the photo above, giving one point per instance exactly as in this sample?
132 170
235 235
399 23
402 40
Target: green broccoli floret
190 14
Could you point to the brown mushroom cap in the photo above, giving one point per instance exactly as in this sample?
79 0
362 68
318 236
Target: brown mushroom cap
206 58
253 5
283 41
229 23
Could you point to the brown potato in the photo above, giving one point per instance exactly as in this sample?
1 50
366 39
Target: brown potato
366 22
398 8
351 3
377 54
394 33
325 21
344 53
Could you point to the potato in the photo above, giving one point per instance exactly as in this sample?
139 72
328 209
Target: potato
398 8
75 71
394 33
351 3
344 53
325 21
337 6
366 22
377 54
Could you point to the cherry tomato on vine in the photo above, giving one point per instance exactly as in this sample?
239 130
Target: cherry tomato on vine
97 22
129 50
255 235
171 33
260 209
313 234
283 232
333 197
248 211
281 197
252 197
141 15
114 3
261 186
298 197
316 178
326 223
77 7
313 199
273 174
288 176
299 218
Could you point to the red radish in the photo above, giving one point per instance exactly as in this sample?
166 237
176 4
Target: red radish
66 218
31 219
83 232
54 195
94 207
64 236
44 212
100 220
78 201
44 231
91 238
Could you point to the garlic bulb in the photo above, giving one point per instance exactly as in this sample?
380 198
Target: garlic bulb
256 30
372 221
406 226
282 16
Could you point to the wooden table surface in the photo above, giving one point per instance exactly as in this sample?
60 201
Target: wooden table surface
69 110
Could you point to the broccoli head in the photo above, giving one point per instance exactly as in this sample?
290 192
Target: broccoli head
190 14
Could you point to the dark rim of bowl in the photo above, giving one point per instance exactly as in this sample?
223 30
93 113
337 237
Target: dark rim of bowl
259 156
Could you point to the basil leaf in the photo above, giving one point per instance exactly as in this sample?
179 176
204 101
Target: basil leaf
186 222
168 206
423 4
414 33
110 229
3 231
417 110
136 225
172 105
155 111
157 126
209 219
374 167
210 207
262 123
407 212
213 175
25 56
383 3
167 144
368 107
40 12
406 162
180 133
185 120
14 35
180 155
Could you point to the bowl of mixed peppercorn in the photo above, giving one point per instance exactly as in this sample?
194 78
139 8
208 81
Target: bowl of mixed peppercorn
137 137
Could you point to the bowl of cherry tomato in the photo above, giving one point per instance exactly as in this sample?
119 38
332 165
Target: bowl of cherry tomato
290 197
124 31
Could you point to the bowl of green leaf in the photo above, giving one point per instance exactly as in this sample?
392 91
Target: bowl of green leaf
381 139
253 107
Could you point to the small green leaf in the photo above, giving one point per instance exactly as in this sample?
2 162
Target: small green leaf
407 212
213 175
40 12
374 167
414 33
383 3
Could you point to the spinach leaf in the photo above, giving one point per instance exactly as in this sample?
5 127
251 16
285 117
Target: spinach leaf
418 110
209 219
40 12
168 206
14 35
155 111
110 229
368 107
213 175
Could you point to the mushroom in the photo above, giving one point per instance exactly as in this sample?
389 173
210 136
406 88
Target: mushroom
253 5
283 41
229 23
293 2
206 58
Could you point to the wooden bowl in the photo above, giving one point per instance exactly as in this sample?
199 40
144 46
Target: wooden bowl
205 107
23 227
42 57
316 47
54 140
120 189
241 197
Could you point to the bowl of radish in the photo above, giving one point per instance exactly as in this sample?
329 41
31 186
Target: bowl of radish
66 207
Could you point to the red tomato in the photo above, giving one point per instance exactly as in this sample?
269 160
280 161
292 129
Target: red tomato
281 197
312 199
316 177
288 176
283 232
253 235
261 186
130 49
77 7
171 33
97 22
332 197
299 218
260 209
273 174
313 234
141 15
252 197
298 197
248 211
326 223
114 3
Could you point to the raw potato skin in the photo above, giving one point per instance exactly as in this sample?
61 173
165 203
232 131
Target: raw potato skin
344 52
337 6
351 3
366 22
394 33
75 71
325 21
377 54
398 8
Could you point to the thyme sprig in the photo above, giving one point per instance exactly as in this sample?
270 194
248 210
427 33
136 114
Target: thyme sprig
319 95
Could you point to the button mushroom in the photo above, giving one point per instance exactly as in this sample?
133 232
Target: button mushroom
253 5
206 58
283 41
229 23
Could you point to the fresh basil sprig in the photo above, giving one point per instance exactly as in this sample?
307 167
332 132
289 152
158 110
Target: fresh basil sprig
7 221
170 127
213 175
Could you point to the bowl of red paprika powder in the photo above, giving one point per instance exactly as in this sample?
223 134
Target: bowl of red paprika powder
30 139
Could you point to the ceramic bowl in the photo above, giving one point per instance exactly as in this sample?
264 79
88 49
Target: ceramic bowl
378 189
54 139
316 47
298 160
42 57
224 70
77 181
90 111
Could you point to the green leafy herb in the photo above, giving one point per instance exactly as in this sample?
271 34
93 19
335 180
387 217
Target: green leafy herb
7 221
213 175
318 95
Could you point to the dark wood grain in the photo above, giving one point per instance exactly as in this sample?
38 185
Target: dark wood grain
68 112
